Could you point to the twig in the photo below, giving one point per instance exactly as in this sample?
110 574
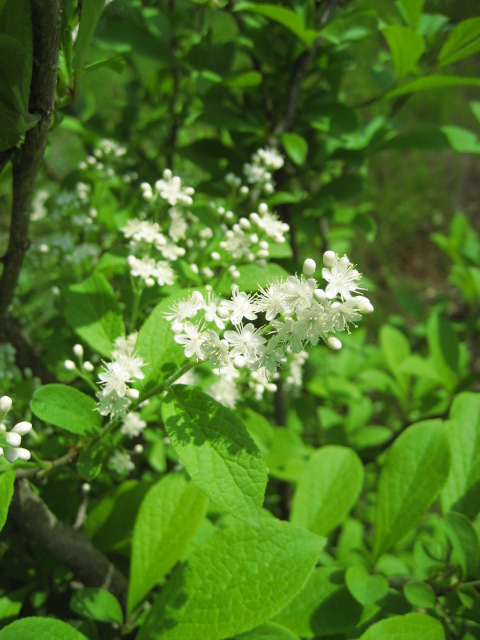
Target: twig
72 548
46 20
48 465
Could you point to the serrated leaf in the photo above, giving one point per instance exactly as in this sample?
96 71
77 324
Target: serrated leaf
295 147
40 629
414 626
365 588
7 480
217 451
323 607
97 604
464 41
328 489
262 568
168 518
461 491
415 469
406 47
67 408
91 310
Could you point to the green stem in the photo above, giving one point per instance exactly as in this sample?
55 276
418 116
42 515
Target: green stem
166 383
137 294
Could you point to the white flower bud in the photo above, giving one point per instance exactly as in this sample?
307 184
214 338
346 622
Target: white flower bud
363 304
13 439
23 454
263 245
216 256
223 313
5 404
88 366
255 218
236 275
309 267
271 386
229 215
1 451
239 362
78 350
334 343
244 223
86 488
244 190
22 428
11 454
194 267
319 295
263 253
69 365
134 394
138 448
221 211
262 208
329 258
149 282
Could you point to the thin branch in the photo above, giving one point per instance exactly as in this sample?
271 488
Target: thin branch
46 20
72 548
48 465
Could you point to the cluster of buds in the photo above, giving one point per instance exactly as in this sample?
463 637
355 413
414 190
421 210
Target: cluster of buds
258 172
11 440
84 365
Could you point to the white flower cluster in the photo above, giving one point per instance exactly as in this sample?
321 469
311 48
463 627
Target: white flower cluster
125 367
121 463
11 440
296 313
169 188
259 171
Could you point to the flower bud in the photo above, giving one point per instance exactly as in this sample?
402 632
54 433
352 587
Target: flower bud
88 366
134 394
86 488
319 295
215 256
262 208
309 267
138 448
23 454
334 343
78 350
5 404
13 439
239 362
69 365
22 428
329 258
11 454
363 304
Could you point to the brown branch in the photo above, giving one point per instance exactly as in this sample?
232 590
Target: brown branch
70 547
46 19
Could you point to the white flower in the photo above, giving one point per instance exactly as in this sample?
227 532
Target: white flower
271 158
240 306
170 189
184 310
214 349
144 268
164 273
342 277
272 225
124 345
247 342
178 227
224 390
192 339
298 294
211 308
121 463
119 373
133 425
112 405
271 301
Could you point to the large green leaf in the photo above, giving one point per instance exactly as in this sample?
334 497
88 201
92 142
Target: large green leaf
6 493
413 626
286 17
155 344
97 604
461 492
324 606
91 310
464 41
415 469
217 451
238 579
406 47
169 517
40 629
328 489
67 408
268 631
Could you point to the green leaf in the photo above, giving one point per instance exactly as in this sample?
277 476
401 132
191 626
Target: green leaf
168 518
239 564
67 408
420 594
91 310
90 462
406 47
97 604
328 489
461 492
323 607
244 79
155 344
89 16
251 277
441 138
415 469
366 589
443 345
464 541
268 631
411 11
464 41
433 82
396 349
217 451
7 480
40 629
296 147
286 17
413 626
